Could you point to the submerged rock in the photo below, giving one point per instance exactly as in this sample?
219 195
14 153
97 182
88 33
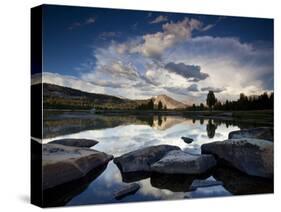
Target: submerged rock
75 142
265 133
142 159
179 162
252 156
204 183
187 140
62 164
127 190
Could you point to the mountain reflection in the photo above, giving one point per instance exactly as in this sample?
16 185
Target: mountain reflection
118 134
63 123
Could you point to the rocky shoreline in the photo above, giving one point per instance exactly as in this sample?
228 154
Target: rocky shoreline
244 151
247 151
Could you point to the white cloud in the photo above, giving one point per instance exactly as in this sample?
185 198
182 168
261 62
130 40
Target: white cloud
233 66
136 68
154 45
159 19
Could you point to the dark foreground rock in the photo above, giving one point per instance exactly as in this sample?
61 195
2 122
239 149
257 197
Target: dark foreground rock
127 190
187 140
142 159
204 183
75 142
60 195
239 183
62 164
265 133
172 182
179 162
252 156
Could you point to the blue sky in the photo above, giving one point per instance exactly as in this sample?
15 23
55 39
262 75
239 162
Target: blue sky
139 54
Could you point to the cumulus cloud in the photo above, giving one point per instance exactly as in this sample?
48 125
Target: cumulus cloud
153 45
193 87
161 77
141 66
185 91
215 90
159 19
187 71
115 74
231 64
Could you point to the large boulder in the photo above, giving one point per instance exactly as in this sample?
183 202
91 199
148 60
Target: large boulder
265 133
75 142
251 156
179 162
62 164
141 160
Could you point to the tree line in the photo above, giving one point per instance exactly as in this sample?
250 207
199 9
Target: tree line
150 106
259 102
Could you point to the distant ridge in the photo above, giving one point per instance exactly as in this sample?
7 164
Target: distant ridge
169 102
59 97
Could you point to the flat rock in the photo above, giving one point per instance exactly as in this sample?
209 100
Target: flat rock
141 160
187 140
75 142
265 133
62 164
204 183
251 156
179 162
127 190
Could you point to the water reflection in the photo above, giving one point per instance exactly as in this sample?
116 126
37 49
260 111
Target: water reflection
211 128
121 134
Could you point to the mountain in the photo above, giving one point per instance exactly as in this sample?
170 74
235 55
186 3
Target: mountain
59 97
169 102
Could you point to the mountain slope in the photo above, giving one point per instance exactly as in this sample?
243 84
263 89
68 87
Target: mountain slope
169 102
59 97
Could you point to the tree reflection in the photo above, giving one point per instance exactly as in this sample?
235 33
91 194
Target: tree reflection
211 129
159 121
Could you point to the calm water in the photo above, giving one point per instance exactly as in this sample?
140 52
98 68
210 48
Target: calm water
119 135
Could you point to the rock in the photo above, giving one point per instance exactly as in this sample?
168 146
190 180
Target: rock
179 162
204 183
127 190
187 140
60 195
129 177
265 133
141 160
252 156
75 142
62 164
172 182
239 183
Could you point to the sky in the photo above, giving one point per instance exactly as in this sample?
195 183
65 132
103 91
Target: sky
140 54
